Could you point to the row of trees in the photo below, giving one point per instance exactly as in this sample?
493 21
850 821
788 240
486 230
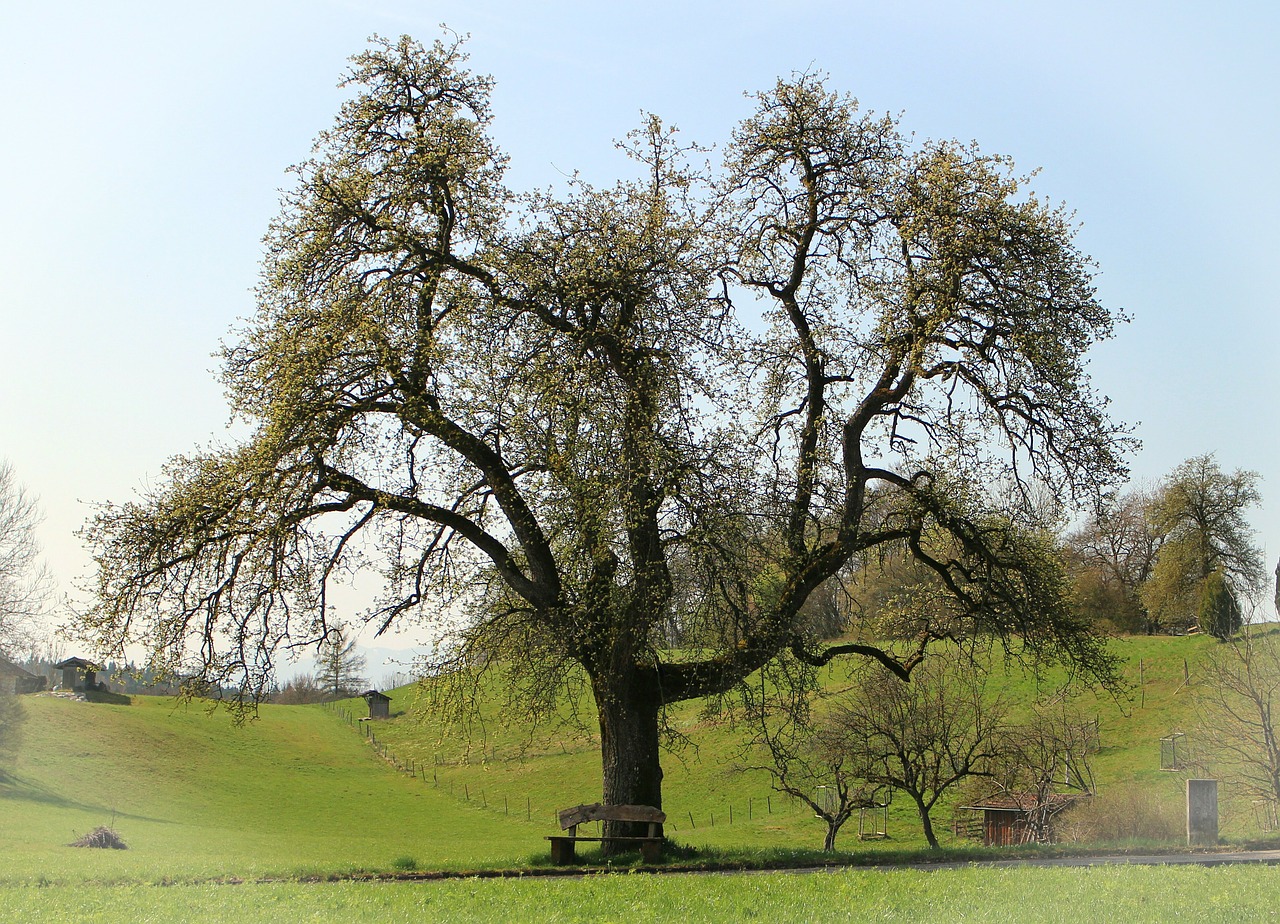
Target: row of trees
844 752
1165 559
940 732
1177 556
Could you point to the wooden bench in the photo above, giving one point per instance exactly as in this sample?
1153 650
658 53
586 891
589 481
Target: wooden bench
650 845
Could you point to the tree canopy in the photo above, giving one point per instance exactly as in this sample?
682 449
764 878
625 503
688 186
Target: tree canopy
1202 511
587 423
1171 557
1111 557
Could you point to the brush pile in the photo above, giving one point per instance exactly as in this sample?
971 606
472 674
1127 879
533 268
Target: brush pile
101 837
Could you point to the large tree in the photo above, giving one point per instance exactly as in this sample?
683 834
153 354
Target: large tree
1203 512
582 419
1111 556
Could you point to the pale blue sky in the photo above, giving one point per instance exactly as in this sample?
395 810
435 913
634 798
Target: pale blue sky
142 145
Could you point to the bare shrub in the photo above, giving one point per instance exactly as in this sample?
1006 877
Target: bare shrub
1124 813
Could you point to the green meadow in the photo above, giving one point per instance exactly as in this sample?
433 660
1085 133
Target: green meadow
714 802
1135 895
287 818
293 793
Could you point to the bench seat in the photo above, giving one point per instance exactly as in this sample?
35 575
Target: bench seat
562 850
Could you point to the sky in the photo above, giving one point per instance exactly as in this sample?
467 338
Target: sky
143 147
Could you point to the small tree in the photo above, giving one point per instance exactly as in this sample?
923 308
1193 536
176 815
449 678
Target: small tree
25 584
1238 702
808 763
341 666
1046 762
1220 613
922 737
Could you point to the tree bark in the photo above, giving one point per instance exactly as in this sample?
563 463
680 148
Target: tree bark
629 702
926 822
829 842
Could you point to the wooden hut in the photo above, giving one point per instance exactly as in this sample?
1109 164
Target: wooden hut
1015 818
379 704
80 675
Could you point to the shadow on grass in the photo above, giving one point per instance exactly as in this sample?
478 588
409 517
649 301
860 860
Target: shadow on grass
111 699
678 857
17 788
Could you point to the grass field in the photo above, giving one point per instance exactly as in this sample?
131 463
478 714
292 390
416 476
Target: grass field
301 793
1136 895
193 796
711 802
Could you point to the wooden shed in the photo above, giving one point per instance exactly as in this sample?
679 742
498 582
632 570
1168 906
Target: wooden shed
80 675
1016 818
379 704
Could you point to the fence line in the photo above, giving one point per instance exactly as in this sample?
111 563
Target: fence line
412 767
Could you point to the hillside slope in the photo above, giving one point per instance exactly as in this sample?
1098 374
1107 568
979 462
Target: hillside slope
304 790
712 801
194 796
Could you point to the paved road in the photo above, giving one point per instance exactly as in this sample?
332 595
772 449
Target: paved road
1266 857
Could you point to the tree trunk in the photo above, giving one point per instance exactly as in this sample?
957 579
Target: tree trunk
829 842
926 822
629 702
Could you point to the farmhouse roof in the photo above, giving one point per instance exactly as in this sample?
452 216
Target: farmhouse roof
1022 802
12 670
77 662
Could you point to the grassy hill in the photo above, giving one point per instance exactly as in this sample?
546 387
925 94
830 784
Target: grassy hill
711 802
193 796
302 790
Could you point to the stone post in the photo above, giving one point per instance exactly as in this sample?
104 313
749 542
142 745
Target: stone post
1202 813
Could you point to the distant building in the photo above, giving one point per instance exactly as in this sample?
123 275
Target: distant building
80 675
379 704
14 679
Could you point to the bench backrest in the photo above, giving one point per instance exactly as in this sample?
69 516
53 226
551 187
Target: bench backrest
580 814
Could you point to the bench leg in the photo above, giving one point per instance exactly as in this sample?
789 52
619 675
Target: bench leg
651 851
561 850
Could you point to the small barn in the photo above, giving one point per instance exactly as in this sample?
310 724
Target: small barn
1010 818
80 675
14 679
379 704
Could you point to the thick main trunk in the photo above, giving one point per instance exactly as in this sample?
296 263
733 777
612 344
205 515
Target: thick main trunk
629 702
